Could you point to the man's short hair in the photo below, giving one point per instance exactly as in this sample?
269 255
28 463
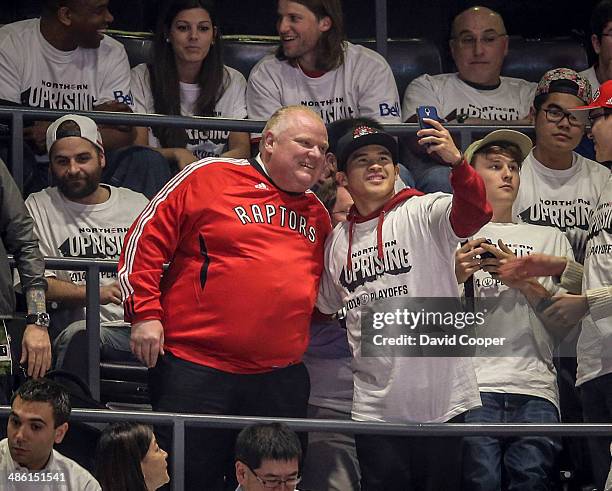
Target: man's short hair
281 113
44 390
601 15
50 7
273 441
330 52
500 148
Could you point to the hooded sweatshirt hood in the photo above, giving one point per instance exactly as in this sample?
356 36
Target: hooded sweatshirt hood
354 217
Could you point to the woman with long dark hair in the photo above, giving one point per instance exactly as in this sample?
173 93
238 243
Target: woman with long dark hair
187 77
129 459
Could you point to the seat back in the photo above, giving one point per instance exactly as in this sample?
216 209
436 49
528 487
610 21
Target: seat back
410 58
529 59
243 53
139 47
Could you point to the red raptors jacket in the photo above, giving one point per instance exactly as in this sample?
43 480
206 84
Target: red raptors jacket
245 260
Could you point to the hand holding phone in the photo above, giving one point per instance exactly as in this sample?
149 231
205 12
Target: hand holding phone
487 254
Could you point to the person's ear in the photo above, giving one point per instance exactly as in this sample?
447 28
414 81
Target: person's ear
452 45
596 43
268 140
241 472
64 16
102 159
341 179
506 41
532 114
325 24
60 433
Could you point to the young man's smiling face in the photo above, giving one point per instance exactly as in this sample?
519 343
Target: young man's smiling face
370 176
300 30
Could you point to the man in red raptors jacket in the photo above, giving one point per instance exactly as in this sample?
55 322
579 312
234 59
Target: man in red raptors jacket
225 327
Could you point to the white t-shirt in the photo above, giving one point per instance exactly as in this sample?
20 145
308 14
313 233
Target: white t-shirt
203 143
60 472
531 371
36 74
564 199
591 76
69 229
595 341
447 93
418 233
363 86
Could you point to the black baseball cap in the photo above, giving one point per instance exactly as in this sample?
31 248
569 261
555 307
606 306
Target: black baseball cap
360 136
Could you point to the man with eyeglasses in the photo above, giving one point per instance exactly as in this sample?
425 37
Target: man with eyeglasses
268 456
560 188
476 93
478 44
594 349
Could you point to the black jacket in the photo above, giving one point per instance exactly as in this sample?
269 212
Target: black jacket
17 238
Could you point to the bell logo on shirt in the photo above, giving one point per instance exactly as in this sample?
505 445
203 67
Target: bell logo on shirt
387 110
125 98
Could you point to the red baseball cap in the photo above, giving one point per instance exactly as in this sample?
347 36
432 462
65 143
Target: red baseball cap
601 98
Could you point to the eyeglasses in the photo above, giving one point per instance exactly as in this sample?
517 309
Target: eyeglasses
469 41
556 115
595 115
273 482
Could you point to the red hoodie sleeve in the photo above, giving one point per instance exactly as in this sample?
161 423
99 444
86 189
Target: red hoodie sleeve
150 242
470 209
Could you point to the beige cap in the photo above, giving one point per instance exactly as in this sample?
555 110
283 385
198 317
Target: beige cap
523 142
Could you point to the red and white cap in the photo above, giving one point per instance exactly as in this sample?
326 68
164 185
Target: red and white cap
85 128
601 98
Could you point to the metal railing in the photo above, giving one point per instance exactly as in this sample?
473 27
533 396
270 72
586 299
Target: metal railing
18 115
92 268
179 422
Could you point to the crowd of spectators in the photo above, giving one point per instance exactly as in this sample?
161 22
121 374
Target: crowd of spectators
262 309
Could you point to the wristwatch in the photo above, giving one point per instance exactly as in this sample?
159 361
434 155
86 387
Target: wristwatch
39 318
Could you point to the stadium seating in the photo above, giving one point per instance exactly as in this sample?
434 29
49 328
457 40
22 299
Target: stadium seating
409 58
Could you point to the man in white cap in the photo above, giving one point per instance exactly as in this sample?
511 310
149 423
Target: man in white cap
518 382
80 218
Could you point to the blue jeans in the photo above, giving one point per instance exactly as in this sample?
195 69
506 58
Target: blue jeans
70 347
513 463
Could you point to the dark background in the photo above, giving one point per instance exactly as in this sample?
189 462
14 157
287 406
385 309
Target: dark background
406 18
